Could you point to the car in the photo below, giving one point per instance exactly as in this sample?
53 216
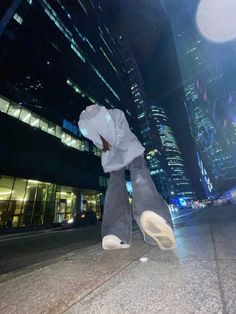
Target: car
80 219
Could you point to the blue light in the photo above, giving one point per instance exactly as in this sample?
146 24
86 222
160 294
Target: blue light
182 202
129 187
108 117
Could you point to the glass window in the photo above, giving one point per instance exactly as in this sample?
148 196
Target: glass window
78 144
25 115
4 104
43 124
19 189
6 187
31 190
34 120
14 110
51 128
58 131
66 139
73 143
63 137
17 196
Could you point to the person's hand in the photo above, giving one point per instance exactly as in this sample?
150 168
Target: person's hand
106 145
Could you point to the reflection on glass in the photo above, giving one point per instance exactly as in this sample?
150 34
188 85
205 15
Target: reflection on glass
51 128
34 121
25 115
43 124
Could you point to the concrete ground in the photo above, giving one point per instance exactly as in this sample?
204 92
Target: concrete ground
198 277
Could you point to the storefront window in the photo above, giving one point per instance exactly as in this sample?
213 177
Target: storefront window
64 206
28 207
17 201
6 189
4 104
93 202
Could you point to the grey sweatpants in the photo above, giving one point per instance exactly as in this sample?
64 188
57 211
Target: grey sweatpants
117 213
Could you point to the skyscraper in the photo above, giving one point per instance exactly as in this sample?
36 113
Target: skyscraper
182 187
150 139
208 73
56 58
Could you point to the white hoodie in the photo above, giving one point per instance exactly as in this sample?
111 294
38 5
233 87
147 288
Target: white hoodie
114 128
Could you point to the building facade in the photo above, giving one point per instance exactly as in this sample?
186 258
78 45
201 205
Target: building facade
56 58
148 136
208 72
182 188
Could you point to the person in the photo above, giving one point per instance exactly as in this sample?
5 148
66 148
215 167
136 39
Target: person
109 130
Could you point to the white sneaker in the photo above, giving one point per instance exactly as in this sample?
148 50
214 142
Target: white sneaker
156 227
112 242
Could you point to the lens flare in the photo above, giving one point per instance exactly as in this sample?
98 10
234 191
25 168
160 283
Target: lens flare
216 20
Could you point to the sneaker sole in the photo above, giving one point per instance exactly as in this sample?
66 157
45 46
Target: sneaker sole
156 227
109 245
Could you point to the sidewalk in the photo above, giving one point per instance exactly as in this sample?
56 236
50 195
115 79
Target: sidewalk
198 277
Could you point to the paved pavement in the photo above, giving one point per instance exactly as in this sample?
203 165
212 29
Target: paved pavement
198 277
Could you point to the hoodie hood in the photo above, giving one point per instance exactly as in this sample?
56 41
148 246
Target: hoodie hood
95 121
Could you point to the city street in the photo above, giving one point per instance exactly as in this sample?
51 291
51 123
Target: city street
21 250
198 277
31 248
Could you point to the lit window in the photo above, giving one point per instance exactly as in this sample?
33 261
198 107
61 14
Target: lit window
58 131
34 120
4 104
108 60
18 18
14 110
51 128
82 5
43 124
105 82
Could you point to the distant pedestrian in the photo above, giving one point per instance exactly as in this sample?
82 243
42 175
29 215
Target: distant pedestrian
109 131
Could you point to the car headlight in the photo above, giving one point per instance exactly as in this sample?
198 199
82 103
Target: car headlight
70 221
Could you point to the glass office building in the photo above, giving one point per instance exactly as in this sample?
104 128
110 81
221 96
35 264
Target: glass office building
56 58
208 72
148 136
182 185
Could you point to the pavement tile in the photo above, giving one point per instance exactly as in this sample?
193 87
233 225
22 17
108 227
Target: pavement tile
52 289
196 248
225 240
157 286
227 273
192 231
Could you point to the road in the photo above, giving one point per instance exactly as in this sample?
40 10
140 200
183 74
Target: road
17 251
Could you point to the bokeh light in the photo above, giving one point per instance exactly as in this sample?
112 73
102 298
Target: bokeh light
216 20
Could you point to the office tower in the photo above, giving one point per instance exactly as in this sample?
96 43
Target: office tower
182 187
208 72
149 138
56 58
